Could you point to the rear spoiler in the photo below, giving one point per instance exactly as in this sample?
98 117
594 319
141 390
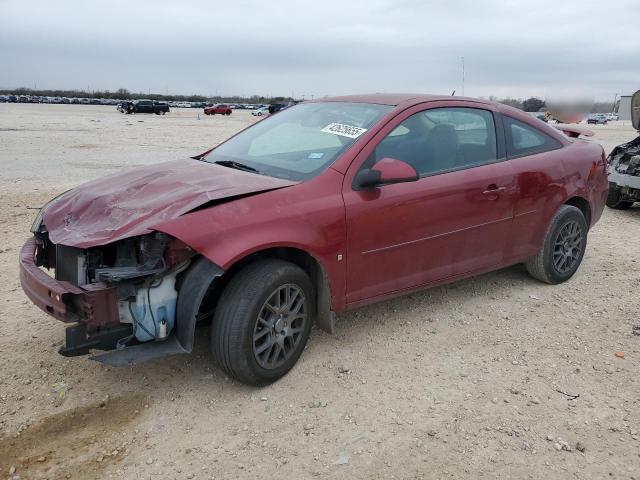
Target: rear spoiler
574 132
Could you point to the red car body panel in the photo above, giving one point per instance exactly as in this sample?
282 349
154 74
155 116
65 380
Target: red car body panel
372 244
308 216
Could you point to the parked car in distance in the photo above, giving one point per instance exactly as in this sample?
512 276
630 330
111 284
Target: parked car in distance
612 116
221 109
597 118
330 205
539 115
258 112
143 106
276 107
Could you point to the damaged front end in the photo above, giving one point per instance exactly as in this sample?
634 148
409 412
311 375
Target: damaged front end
121 296
115 276
624 166
624 171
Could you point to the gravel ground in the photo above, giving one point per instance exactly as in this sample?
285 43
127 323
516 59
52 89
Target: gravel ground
498 376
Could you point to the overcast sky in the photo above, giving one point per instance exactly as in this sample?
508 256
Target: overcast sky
325 47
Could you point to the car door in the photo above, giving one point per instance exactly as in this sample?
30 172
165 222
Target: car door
451 222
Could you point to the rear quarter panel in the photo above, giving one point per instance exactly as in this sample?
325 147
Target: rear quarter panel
546 181
588 158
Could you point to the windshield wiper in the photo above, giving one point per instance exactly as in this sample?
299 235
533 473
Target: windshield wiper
237 165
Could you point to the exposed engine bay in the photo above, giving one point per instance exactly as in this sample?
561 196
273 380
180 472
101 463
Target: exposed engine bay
137 274
624 170
624 166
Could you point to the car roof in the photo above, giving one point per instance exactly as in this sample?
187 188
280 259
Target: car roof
395 99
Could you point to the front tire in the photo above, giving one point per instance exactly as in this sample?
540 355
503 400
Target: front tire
262 321
615 198
562 249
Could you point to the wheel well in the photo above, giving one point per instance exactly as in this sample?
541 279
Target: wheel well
583 205
299 257
294 255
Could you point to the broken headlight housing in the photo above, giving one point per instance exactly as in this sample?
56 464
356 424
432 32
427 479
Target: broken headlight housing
37 222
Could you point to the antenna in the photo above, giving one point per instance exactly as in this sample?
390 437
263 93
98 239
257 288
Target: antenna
462 76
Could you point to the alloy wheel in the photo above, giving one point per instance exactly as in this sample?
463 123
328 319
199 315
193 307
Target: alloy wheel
279 327
567 247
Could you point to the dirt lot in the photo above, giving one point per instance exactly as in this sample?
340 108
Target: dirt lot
462 381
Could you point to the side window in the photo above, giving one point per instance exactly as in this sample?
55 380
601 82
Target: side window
523 139
440 140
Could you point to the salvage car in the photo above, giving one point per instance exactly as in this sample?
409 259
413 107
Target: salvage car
624 166
327 206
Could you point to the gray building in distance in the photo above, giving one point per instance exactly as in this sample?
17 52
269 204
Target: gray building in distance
624 109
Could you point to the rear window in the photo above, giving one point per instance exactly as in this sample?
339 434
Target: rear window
523 139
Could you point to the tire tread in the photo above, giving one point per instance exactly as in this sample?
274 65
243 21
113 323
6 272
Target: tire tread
536 265
235 306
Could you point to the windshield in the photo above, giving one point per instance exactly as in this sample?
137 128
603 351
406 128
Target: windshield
299 142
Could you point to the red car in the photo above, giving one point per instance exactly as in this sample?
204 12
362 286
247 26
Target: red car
219 109
327 206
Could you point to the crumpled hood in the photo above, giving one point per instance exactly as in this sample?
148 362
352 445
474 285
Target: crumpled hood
130 203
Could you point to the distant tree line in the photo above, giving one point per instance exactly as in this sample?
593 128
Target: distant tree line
534 104
124 94
531 104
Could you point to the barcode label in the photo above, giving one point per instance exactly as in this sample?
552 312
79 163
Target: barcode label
344 130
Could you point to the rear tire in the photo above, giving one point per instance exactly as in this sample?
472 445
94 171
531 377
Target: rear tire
255 337
615 198
562 249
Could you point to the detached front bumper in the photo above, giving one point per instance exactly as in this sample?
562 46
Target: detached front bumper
94 307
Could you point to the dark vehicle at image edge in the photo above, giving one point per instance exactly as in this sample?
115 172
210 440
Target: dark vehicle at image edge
624 166
325 207
143 106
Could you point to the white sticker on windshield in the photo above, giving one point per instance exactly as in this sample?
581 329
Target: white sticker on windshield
344 130
316 155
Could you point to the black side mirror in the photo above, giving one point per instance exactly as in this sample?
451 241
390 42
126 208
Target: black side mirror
367 178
